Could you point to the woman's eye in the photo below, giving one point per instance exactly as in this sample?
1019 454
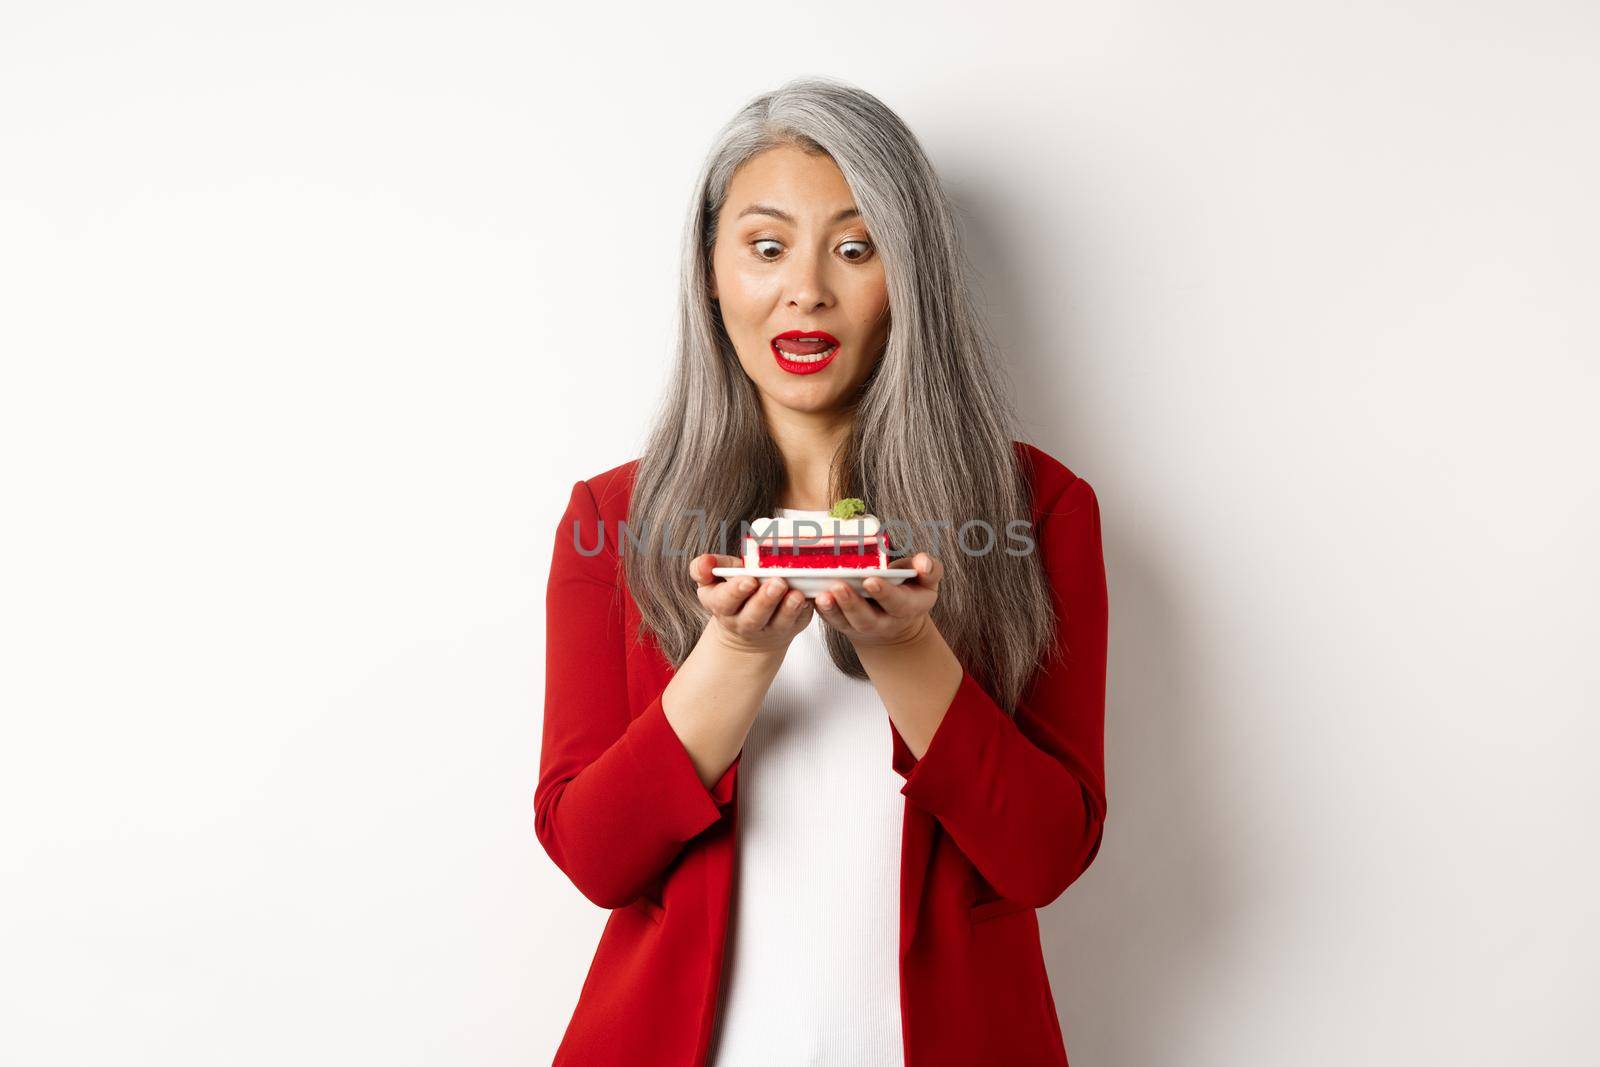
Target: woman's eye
865 251
866 245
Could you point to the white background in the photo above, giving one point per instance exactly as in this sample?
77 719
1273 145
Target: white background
313 313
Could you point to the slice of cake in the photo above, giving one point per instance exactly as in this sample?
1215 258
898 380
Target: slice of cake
847 537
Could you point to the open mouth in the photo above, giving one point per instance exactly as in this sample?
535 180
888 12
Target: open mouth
800 352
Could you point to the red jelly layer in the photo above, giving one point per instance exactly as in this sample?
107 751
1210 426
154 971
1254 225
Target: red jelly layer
816 556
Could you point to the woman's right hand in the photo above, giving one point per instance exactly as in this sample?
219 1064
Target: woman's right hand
748 616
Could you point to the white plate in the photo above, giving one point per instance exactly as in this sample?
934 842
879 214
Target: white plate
813 580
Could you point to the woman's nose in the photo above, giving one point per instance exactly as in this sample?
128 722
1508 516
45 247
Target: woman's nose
805 282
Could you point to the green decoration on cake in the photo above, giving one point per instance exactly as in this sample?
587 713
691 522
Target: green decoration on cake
847 507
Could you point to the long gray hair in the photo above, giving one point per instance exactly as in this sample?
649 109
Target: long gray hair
936 408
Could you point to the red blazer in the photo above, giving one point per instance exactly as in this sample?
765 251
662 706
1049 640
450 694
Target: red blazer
1001 814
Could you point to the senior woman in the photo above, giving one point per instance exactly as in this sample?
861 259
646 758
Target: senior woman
823 828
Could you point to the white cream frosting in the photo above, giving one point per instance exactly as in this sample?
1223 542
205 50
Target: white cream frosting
813 524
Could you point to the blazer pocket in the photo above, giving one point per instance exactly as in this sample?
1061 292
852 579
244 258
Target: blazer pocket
993 909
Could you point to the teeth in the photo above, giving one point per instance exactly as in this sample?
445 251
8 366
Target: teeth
813 358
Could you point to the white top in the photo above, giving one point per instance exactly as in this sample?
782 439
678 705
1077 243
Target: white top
812 976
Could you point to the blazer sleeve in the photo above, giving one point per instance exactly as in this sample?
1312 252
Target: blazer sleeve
617 797
1025 798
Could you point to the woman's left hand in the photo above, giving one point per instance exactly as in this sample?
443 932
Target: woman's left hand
898 612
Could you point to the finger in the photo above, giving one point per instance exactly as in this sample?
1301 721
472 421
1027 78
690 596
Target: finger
728 597
700 566
894 598
793 608
928 569
757 611
858 613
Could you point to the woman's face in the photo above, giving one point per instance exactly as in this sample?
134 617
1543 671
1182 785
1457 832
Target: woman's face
792 255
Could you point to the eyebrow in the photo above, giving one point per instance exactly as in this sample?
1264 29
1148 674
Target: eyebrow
764 209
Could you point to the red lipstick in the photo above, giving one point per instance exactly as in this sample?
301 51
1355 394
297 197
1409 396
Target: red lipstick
804 351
